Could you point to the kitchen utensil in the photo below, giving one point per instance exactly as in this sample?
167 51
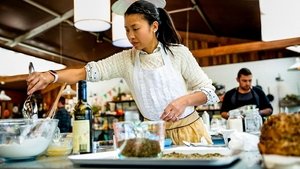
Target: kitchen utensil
30 109
51 114
40 125
269 95
54 105
257 85
189 144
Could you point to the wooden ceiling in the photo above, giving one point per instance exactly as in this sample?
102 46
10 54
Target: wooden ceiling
217 32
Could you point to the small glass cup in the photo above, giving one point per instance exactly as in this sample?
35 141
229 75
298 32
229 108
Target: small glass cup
61 146
139 139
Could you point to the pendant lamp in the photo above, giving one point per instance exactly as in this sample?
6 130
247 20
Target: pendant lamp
92 15
3 96
279 19
118 32
296 65
120 6
68 91
295 48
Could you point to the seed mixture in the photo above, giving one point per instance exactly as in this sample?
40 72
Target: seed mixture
192 156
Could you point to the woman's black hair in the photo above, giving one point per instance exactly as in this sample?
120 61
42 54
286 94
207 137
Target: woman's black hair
166 32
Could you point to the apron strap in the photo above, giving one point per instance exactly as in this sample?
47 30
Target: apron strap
182 122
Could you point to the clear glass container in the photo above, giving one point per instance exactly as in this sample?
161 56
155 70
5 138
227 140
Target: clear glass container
235 120
139 139
253 121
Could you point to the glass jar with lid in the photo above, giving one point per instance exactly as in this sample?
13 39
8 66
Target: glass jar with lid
235 120
253 121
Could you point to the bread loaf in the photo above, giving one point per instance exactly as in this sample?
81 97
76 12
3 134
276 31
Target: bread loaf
280 135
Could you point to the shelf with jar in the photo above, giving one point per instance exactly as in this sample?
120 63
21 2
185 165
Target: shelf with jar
103 127
113 111
290 103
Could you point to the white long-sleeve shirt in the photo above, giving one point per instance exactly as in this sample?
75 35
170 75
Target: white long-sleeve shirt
120 65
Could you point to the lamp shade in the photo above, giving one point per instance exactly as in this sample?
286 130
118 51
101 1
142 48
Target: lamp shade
295 48
279 19
92 15
296 65
120 6
68 91
118 32
3 96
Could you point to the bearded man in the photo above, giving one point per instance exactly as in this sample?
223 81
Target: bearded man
245 94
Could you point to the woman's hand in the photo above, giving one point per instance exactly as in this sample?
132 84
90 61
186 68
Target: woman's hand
174 109
38 81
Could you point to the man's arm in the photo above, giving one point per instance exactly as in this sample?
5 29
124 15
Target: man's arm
225 115
266 112
265 107
226 105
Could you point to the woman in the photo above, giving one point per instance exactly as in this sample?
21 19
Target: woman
158 71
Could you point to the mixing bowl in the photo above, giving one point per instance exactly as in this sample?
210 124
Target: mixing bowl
25 138
139 139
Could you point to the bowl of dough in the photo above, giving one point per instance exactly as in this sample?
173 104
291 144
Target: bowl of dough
25 138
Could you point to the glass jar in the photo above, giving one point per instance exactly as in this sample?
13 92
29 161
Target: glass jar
253 121
132 114
235 120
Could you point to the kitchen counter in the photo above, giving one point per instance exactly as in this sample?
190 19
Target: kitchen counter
249 160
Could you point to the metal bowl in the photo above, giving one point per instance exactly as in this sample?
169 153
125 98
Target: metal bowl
25 138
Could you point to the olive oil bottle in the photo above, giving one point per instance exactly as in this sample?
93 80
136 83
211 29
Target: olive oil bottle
82 127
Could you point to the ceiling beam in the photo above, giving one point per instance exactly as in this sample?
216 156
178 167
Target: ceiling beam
245 47
40 28
16 78
203 16
182 10
23 77
42 8
49 11
212 38
44 51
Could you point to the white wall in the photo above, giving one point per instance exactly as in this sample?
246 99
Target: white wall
97 90
266 72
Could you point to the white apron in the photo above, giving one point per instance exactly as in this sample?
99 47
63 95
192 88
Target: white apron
155 89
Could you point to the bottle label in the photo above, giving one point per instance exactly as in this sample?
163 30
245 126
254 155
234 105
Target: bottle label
81 136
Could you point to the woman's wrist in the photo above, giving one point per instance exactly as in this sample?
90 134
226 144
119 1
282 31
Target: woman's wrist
54 74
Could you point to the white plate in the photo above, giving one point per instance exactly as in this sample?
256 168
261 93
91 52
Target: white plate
282 162
110 159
